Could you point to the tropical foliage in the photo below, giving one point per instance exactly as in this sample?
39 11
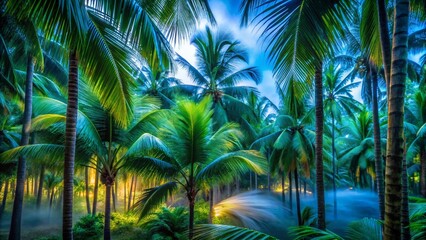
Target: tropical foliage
98 106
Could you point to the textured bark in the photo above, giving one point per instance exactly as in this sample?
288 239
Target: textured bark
86 188
377 143
107 224
333 146
405 214
395 141
15 224
296 181
70 145
319 128
40 188
191 194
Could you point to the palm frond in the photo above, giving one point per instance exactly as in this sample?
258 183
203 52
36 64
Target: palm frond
215 231
154 197
226 167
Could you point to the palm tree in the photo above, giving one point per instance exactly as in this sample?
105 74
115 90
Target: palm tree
337 100
193 155
80 28
395 141
357 146
217 73
416 115
296 31
292 141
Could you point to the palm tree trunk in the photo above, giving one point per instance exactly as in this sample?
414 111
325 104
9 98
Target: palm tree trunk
255 181
377 144
319 128
113 199
86 186
35 187
3 202
283 187
191 200
423 171
296 180
107 227
405 216
333 145
51 201
125 193
27 182
70 144
95 192
395 142
40 188
129 203
134 190
384 40
251 185
211 205
290 191
15 225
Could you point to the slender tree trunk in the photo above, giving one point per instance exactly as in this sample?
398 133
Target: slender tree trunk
86 186
283 187
191 200
3 202
113 198
15 225
251 184
296 180
377 144
423 171
28 186
40 188
95 192
130 193
255 181
107 227
125 193
70 144
237 186
405 215
395 143
228 190
290 191
35 188
211 205
385 40
51 201
134 190
333 145
319 128
115 195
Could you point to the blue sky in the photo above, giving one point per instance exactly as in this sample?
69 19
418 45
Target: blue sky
227 16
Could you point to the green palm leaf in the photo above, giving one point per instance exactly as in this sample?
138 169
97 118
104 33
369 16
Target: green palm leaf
216 231
154 197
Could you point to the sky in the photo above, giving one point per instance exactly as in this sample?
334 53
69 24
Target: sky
227 16
228 19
